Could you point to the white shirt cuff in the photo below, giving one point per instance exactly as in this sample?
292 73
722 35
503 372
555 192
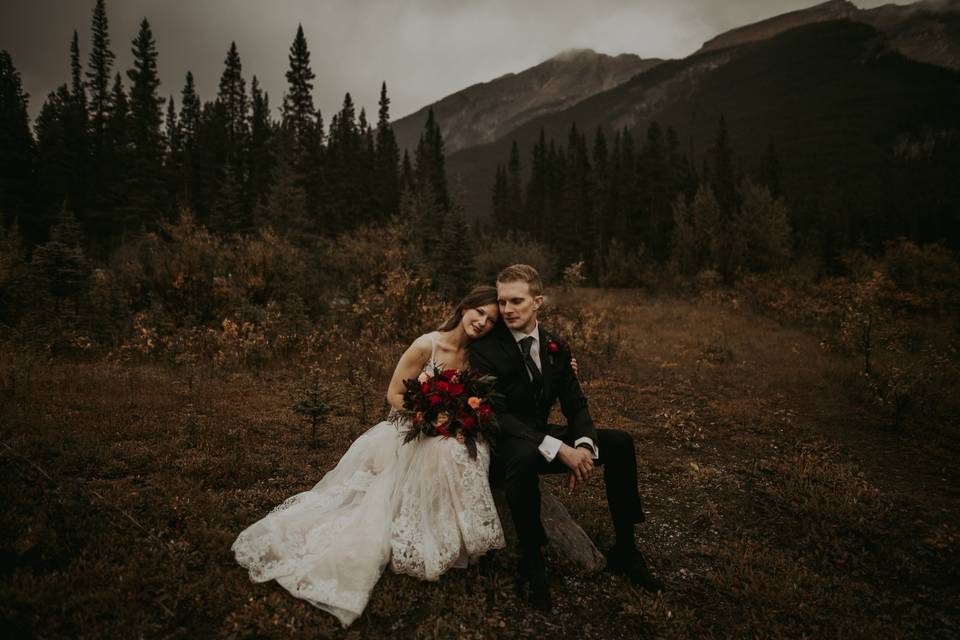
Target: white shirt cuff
549 447
589 441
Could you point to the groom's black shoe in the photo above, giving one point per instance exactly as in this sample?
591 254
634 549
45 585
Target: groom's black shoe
631 564
532 581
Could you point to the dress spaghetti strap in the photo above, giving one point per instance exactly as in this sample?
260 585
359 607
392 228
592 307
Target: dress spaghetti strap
433 342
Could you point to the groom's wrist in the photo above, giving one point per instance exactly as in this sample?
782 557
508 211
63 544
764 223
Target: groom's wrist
588 443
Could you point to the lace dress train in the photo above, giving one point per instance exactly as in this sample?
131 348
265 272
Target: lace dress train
424 507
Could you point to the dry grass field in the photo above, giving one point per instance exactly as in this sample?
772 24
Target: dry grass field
780 503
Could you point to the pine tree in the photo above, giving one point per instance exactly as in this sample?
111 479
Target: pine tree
55 164
709 232
313 161
59 268
515 191
601 201
371 209
771 170
190 110
100 64
260 158
455 272
407 179
76 134
145 190
554 178
189 121
232 100
684 253
387 161
209 160
115 211
285 205
298 106
430 172
423 217
723 178
574 229
230 205
611 192
655 185
761 238
363 127
536 197
501 201
172 130
625 223
17 180
173 159
683 176
343 199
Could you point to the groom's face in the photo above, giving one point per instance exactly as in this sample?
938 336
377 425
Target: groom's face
518 306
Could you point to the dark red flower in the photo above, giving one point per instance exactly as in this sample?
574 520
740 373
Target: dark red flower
441 385
553 347
469 423
435 399
485 411
455 390
425 388
448 374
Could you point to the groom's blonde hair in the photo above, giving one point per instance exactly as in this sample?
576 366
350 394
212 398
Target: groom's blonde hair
522 273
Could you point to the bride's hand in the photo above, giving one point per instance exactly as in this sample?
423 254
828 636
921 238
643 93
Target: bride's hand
574 366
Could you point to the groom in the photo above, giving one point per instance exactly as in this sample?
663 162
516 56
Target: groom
533 370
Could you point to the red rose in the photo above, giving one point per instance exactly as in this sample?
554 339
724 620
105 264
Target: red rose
448 374
425 388
469 423
442 385
485 411
435 400
553 346
455 390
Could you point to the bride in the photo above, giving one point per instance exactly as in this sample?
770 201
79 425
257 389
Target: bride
424 507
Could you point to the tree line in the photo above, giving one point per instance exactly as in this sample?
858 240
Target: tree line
618 204
110 152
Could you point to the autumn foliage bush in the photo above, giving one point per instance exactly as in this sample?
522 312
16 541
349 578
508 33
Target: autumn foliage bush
876 313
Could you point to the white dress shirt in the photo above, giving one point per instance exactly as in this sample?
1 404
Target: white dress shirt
550 445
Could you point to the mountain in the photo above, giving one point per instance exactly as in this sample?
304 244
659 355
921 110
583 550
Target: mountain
927 31
486 111
832 10
835 97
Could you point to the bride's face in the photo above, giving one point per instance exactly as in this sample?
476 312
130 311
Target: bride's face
478 321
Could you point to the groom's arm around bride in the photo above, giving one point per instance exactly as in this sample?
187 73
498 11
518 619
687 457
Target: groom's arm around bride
533 371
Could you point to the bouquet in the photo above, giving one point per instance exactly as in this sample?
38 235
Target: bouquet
449 403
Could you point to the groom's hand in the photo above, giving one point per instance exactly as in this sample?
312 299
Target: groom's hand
579 461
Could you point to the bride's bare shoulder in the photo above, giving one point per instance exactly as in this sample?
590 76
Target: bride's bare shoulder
422 345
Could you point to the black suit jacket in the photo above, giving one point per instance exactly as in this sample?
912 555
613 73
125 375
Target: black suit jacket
521 412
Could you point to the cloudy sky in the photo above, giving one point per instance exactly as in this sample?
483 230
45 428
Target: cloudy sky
423 49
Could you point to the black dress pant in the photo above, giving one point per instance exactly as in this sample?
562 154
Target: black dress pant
518 463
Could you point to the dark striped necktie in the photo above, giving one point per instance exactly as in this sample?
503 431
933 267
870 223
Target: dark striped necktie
532 367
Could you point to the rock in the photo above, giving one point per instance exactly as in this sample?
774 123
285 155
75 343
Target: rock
565 536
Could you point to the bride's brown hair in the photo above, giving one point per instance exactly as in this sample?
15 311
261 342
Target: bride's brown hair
479 296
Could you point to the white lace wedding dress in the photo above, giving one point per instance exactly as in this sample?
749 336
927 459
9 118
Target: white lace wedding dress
424 507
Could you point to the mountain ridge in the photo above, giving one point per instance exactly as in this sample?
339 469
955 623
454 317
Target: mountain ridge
487 110
786 87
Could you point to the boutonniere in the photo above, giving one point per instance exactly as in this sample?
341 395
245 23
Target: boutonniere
556 346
